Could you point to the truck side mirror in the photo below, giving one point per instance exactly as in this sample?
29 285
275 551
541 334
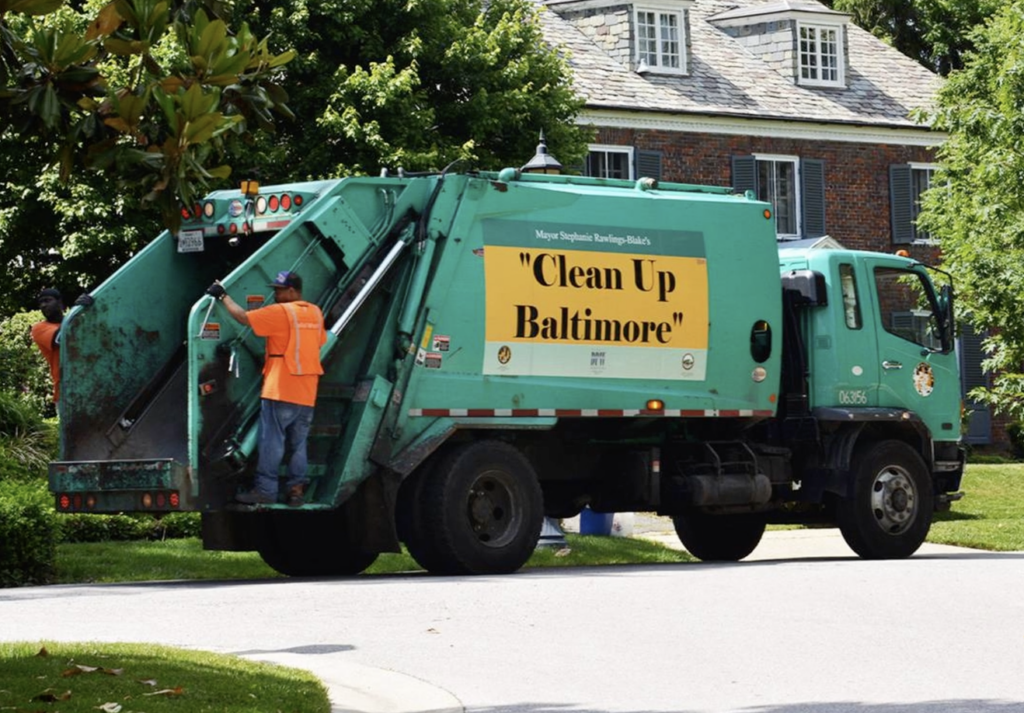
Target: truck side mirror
946 316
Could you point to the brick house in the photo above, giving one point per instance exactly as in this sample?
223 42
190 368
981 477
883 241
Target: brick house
787 98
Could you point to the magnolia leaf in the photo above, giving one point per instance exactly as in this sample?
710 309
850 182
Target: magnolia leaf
106 22
77 669
149 682
283 58
169 692
120 47
213 36
43 652
30 7
118 124
201 130
219 172
48 696
110 708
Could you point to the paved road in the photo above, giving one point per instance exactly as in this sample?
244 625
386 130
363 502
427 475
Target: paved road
942 632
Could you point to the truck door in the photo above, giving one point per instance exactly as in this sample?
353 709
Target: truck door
916 362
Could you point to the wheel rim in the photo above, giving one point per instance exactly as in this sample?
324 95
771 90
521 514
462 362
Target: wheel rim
492 509
893 500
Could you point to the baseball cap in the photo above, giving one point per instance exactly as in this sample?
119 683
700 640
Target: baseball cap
287 279
48 292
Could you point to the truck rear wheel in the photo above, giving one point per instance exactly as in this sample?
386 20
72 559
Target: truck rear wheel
478 510
310 544
890 511
719 538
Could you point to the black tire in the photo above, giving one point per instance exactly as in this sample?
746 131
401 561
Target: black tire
310 544
479 510
409 518
890 511
719 538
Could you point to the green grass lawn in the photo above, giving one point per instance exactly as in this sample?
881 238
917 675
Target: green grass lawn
142 561
118 678
991 514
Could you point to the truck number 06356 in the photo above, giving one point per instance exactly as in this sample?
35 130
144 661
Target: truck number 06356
853 397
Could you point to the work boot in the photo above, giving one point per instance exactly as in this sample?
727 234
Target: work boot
295 496
254 497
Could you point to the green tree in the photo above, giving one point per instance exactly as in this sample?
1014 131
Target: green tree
387 83
937 33
977 206
152 93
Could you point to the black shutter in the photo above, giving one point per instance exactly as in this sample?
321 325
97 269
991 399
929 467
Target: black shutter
979 427
812 193
744 174
901 203
648 164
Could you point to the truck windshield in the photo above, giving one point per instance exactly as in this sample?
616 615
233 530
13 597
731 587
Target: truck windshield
907 307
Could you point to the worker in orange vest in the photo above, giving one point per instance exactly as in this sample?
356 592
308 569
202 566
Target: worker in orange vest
294 330
46 334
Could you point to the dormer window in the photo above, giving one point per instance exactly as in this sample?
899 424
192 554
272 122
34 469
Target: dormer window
802 40
821 61
660 40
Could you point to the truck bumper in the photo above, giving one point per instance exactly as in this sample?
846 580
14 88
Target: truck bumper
158 485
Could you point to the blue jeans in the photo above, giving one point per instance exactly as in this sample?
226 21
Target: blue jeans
283 427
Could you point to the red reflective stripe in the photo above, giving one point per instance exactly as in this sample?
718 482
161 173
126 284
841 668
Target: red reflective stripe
585 413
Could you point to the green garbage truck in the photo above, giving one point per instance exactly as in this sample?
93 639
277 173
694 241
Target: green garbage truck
505 346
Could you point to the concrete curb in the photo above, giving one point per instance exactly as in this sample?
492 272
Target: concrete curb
354 688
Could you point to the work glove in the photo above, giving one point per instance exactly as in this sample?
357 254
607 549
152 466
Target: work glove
85 300
216 290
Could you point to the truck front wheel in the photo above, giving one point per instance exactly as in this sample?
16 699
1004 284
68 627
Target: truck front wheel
479 510
719 538
890 510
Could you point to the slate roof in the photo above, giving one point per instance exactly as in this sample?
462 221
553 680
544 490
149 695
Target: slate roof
726 79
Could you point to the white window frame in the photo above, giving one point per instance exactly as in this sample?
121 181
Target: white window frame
656 61
916 169
816 53
611 149
797 198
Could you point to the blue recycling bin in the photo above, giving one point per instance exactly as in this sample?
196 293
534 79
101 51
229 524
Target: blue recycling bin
595 523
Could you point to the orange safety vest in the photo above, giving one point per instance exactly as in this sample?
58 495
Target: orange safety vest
305 335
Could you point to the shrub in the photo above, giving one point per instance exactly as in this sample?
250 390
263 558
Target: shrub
27 443
23 370
28 534
86 527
